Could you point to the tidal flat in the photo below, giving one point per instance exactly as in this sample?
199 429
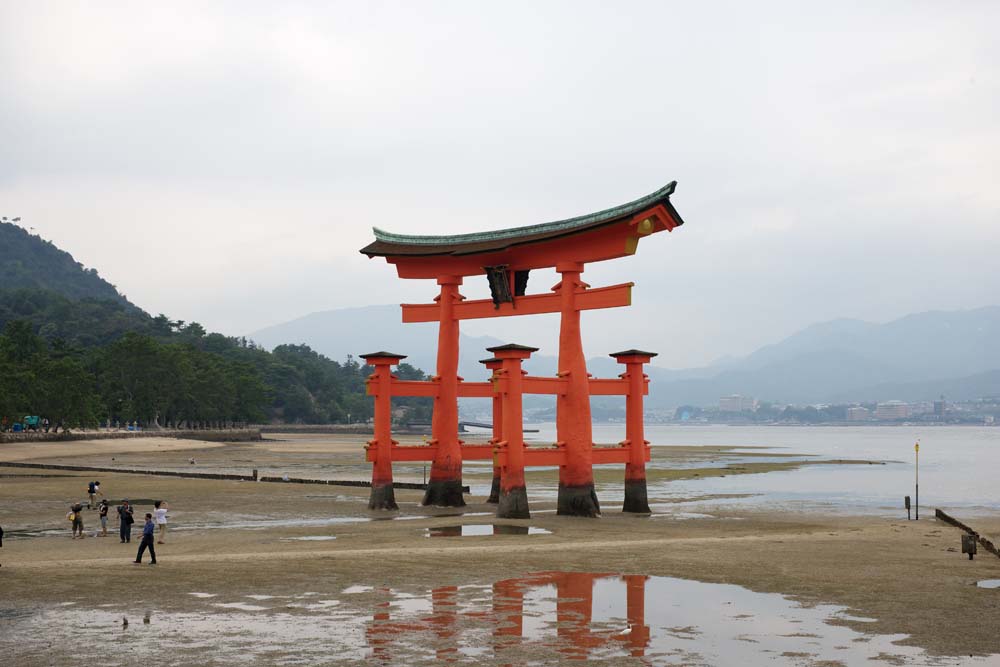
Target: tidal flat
270 573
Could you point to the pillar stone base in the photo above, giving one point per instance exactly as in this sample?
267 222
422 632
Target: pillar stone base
578 501
635 497
383 497
514 504
494 492
444 493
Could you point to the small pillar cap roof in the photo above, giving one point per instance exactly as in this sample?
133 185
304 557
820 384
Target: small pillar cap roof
491 360
383 353
633 353
511 347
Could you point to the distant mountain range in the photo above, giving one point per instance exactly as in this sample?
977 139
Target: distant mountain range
917 357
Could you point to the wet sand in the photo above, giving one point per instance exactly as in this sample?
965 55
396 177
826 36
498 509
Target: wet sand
238 539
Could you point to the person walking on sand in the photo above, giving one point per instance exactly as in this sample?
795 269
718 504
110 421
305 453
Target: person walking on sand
147 541
75 515
125 521
160 517
91 493
103 507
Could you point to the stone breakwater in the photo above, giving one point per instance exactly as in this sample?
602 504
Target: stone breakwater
985 542
253 477
209 435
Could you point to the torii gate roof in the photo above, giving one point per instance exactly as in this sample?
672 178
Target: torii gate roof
391 245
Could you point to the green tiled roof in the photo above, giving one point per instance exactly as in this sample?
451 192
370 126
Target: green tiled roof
531 230
389 243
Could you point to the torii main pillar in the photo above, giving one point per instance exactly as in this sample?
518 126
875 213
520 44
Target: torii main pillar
573 428
444 488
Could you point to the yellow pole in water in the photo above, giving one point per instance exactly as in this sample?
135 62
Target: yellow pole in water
916 450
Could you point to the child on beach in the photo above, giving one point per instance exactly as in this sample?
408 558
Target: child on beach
160 517
103 507
147 541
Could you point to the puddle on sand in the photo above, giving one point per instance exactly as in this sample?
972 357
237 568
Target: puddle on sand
354 590
430 516
242 606
261 524
484 529
594 616
989 583
309 538
549 616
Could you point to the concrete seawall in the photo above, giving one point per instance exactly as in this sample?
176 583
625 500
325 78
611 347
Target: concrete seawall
208 435
253 477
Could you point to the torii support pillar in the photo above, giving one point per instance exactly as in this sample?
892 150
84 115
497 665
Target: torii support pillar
382 497
492 365
444 488
510 451
635 433
573 428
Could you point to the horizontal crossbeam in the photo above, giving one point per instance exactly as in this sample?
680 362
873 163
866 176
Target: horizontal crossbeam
612 387
533 456
530 384
534 304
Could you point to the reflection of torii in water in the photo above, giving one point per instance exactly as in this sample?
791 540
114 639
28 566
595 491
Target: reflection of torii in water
506 257
574 612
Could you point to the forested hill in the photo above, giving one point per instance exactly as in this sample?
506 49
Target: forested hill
28 261
72 349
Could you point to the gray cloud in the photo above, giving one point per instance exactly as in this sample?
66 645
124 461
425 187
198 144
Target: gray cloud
225 163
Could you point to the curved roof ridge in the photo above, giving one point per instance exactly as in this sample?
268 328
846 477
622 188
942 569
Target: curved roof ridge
543 228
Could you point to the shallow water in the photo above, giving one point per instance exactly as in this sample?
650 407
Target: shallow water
989 583
473 530
958 466
536 619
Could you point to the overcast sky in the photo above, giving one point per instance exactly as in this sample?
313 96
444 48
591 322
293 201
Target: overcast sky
224 162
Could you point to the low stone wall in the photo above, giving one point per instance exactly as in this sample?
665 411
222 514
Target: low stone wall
983 542
210 475
209 435
349 429
347 482
341 429
128 471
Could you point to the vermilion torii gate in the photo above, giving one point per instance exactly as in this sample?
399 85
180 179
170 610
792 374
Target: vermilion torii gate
506 257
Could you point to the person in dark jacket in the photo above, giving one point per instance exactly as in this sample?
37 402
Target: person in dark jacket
147 541
125 521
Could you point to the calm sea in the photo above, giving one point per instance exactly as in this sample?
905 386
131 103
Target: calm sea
959 467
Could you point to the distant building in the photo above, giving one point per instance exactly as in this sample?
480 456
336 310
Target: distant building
737 403
940 408
858 414
892 410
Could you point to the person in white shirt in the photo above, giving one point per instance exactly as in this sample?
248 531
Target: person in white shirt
160 518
